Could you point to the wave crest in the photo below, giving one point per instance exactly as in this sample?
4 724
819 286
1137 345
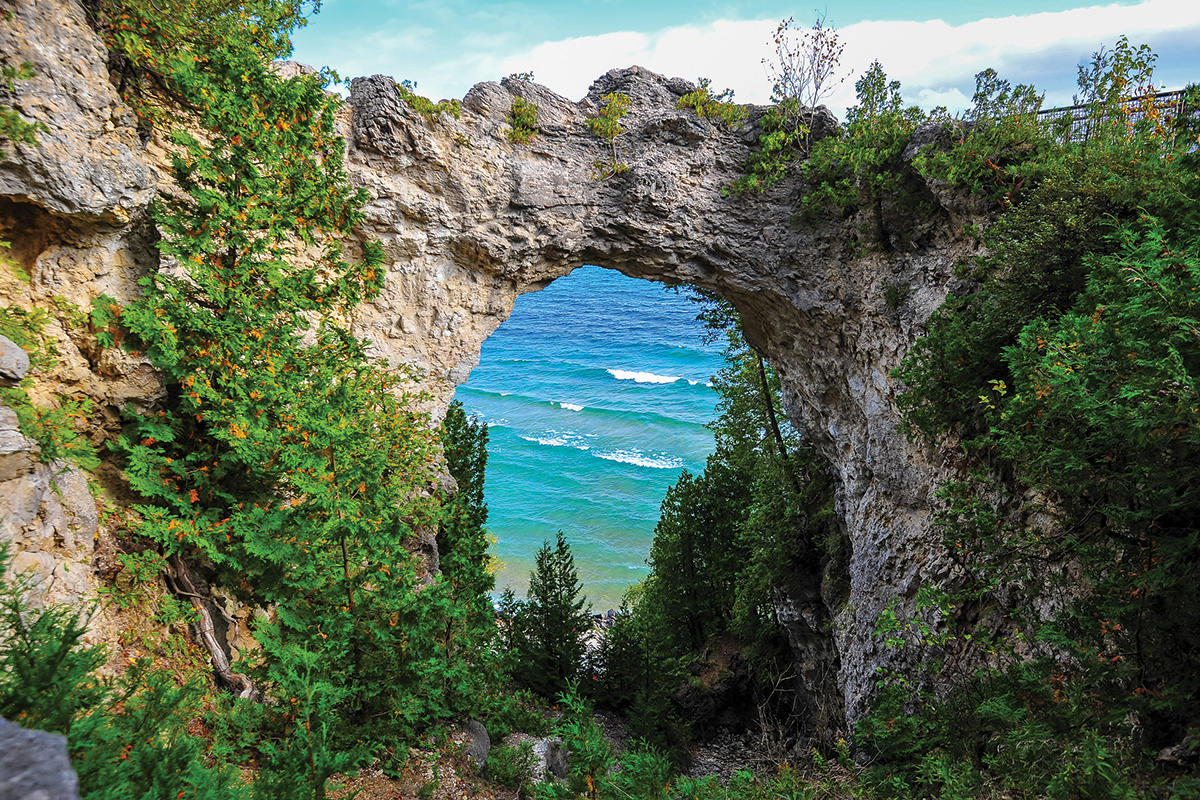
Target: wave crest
641 377
556 439
640 459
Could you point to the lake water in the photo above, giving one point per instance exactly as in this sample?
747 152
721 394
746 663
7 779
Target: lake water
596 394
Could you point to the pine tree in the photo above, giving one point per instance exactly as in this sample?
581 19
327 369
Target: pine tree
469 627
548 628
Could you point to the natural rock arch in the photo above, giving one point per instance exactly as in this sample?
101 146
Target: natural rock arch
469 221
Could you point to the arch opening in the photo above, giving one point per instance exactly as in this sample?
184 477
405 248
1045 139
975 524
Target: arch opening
597 392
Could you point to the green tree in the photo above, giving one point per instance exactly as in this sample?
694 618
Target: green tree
548 627
469 628
757 520
283 455
863 169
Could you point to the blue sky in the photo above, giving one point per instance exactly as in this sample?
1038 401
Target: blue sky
933 47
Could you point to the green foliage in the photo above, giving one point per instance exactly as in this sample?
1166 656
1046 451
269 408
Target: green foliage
803 72
894 294
778 149
45 672
137 745
430 110
759 517
864 168
641 669
469 628
105 321
306 752
545 631
707 104
522 121
596 772
54 428
607 125
1064 203
644 772
283 455
997 150
1072 371
512 768
153 48
127 737
744 785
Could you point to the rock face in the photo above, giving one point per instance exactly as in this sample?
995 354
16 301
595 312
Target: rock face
34 765
469 221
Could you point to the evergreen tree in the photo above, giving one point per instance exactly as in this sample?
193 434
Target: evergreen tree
469 627
462 539
547 629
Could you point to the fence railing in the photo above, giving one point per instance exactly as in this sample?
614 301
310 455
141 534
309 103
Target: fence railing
1080 123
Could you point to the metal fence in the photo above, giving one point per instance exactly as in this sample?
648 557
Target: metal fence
1082 122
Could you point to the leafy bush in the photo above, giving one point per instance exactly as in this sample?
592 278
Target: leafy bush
707 104
53 428
607 125
430 110
864 168
522 121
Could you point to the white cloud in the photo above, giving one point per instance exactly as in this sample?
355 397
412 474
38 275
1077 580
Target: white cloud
939 60
934 61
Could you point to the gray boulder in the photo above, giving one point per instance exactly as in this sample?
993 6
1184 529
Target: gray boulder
479 744
34 765
14 361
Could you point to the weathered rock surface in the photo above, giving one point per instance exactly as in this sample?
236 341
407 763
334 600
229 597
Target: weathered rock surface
88 161
479 744
47 519
34 765
470 221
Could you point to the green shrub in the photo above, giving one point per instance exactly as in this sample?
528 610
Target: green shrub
712 105
127 736
430 110
55 429
607 125
523 121
512 768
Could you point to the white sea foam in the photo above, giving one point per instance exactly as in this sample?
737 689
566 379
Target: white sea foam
641 377
640 459
554 439
571 407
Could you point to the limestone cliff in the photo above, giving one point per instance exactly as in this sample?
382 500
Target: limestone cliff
469 221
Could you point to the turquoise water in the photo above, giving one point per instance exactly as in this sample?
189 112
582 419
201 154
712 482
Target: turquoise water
596 394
